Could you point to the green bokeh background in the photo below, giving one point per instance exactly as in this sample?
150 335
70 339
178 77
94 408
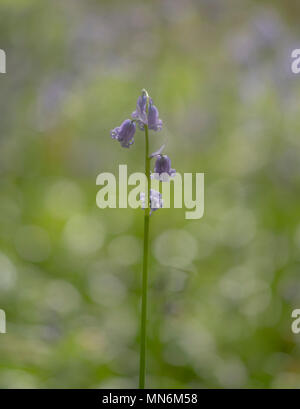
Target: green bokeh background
222 288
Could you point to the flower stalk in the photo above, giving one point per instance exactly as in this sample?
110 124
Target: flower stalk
145 118
145 268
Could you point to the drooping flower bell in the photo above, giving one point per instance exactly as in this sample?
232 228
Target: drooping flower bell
162 168
143 118
154 122
140 114
124 133
156 201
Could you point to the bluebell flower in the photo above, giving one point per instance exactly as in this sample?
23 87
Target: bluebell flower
140 114
162 168
154 122
124 133
156 201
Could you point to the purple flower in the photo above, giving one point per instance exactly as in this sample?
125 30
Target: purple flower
124 133
154 122
156 201
162 168
140 114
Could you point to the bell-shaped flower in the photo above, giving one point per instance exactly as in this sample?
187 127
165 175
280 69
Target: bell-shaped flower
156 201
140 114
162 168
124 133
154 122
150 118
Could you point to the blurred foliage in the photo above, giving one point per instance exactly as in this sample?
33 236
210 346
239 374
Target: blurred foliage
223 287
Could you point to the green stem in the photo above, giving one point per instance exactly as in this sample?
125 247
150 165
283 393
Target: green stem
145 267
